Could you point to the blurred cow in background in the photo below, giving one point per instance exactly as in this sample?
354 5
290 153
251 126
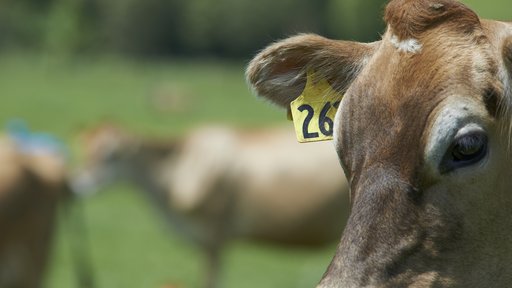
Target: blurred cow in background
218 183
32 183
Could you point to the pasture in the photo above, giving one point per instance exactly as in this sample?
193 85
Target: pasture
130 245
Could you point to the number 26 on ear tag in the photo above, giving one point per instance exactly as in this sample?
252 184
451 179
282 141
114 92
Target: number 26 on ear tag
314 110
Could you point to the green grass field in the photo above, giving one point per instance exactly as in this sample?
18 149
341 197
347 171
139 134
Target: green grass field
131 246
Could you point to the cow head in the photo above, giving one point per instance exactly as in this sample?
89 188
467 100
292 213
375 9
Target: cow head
105 151
111 154
423 134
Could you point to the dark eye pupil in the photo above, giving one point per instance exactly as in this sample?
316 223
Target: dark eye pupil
465 151
468 148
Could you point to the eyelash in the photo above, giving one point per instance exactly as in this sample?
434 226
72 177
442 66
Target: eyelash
456 158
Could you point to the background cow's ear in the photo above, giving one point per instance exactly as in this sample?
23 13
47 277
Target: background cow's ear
278 73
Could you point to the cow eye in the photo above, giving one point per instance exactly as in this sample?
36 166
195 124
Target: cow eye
466 150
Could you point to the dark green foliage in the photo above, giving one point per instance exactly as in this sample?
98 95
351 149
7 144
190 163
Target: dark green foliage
21 22
356 19
228 28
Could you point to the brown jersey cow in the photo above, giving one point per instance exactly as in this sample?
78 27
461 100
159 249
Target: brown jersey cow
423 133
31 186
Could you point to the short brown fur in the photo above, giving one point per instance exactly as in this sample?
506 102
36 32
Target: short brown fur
418 219
410 18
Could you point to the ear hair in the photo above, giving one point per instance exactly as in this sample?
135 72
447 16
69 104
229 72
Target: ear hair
278 73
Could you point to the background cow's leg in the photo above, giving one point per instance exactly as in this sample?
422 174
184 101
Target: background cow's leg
213 263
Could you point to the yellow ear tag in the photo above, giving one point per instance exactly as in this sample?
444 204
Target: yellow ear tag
314 110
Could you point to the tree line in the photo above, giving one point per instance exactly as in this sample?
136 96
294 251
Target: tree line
149 28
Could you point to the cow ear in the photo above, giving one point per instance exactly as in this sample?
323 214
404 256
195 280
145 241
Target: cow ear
278 73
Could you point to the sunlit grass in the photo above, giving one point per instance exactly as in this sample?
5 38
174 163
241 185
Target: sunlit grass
62 95
493 9
131 246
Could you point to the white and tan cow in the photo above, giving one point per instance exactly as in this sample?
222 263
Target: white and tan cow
424 135
31 186
218 183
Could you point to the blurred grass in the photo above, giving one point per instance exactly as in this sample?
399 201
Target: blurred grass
493 9
130 245
60 95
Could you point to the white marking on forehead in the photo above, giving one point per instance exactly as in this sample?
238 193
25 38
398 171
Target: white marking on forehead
455 118
407 45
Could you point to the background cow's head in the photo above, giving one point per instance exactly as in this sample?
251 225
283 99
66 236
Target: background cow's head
111 154
423 134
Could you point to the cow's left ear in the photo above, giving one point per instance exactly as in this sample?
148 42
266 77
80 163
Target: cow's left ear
278 73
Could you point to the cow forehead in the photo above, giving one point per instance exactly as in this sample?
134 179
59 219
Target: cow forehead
410 19
389 109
